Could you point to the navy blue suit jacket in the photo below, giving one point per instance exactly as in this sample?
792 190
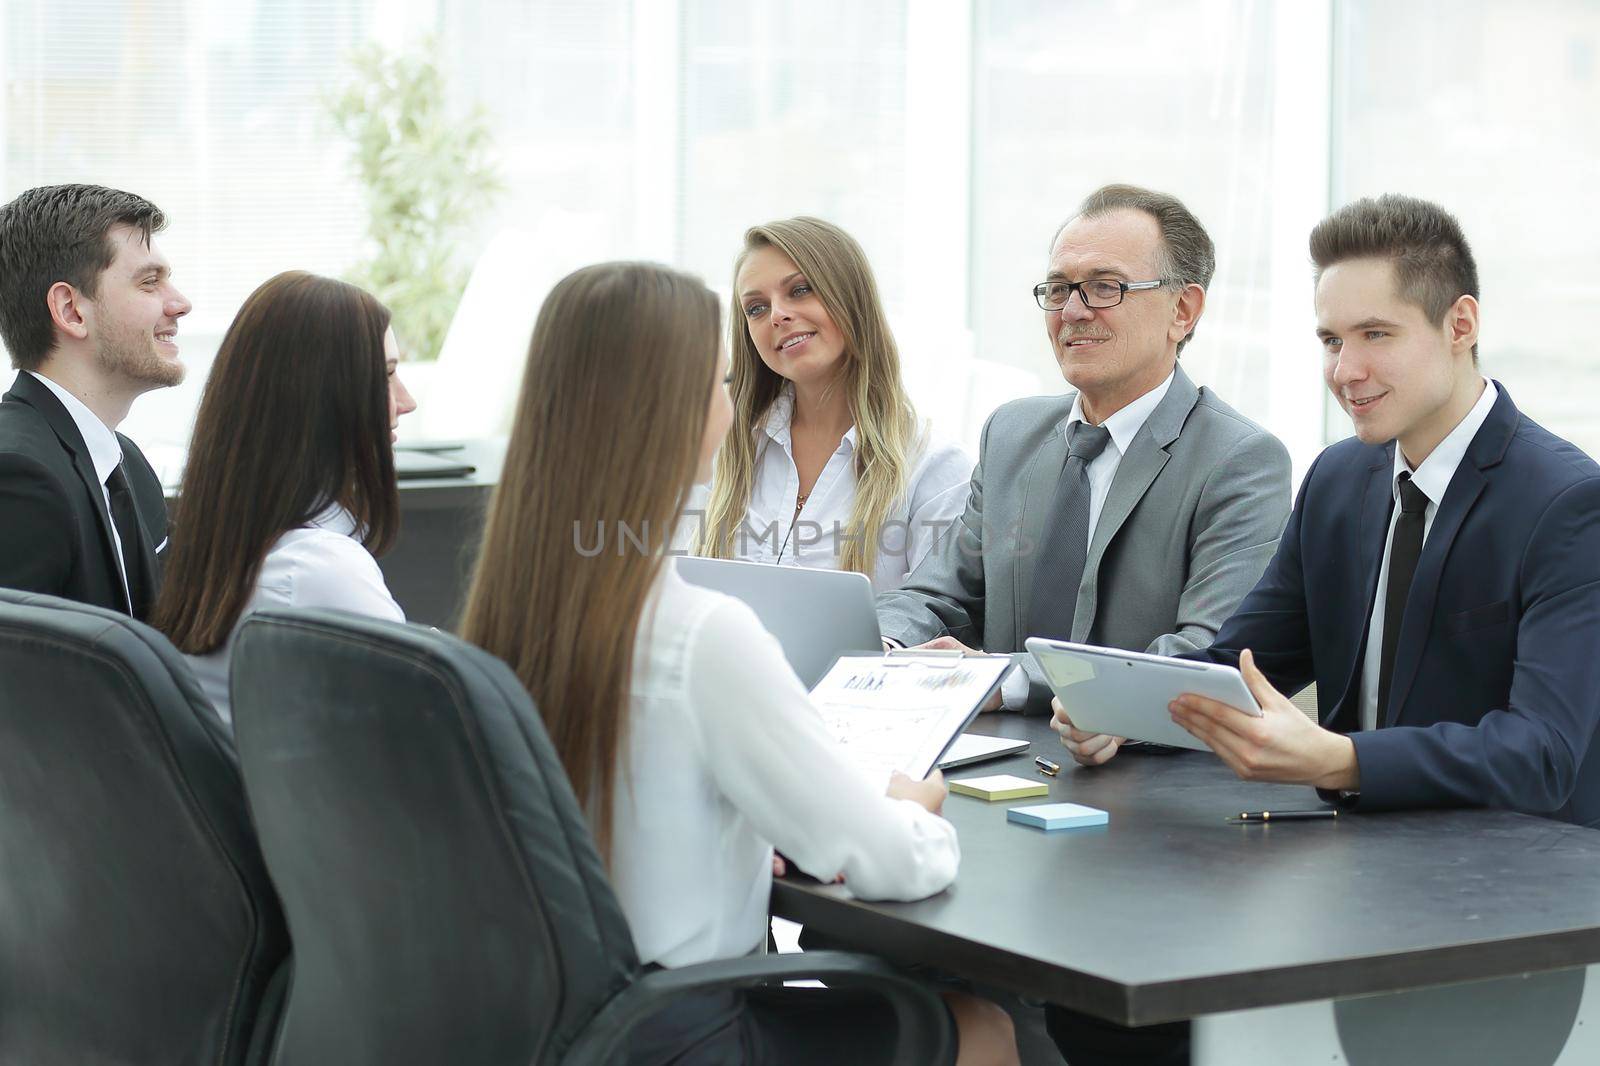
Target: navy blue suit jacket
1496 688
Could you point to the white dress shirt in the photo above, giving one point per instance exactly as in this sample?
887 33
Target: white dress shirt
934 497
1122 426
1101 471
319 565
1433 478
105 452
727 757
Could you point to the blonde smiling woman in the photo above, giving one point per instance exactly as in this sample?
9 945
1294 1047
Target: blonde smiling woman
828 465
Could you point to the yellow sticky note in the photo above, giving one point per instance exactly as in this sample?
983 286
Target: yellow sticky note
1000 787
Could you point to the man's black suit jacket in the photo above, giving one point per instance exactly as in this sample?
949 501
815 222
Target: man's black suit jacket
55 531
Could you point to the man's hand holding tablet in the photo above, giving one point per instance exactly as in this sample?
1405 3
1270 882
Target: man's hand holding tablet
1087 749
1281 746
1105 694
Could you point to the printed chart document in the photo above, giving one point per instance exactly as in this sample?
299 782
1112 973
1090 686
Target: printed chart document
901 711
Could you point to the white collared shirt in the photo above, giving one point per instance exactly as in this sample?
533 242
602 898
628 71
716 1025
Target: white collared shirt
934 497
1123 427
105 452
726 757
1101 471
318 565
1433 478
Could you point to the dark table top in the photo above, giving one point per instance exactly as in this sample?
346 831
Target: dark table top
1170 912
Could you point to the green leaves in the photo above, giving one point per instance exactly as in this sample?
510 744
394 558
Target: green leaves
428 174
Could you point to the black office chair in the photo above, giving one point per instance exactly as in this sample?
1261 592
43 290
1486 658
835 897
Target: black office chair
137 923
445 898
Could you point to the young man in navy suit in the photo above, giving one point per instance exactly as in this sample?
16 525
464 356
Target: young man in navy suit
89 315
1439 578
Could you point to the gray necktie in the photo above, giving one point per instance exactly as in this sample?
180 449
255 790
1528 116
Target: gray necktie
1064 545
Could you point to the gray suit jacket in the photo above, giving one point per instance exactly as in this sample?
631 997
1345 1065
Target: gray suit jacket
1189 524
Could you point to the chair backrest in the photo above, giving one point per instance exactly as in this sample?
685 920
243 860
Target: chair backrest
137 923
445 898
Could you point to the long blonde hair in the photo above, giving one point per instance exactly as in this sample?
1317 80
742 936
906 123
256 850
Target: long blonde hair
886 422
605 446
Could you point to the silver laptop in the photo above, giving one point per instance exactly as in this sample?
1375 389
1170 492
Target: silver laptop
817 615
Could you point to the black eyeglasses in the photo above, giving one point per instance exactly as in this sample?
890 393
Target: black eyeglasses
1096 292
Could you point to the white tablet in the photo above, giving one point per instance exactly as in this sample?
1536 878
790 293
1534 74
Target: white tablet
1125 693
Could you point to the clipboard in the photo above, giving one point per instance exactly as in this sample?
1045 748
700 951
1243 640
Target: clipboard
902 709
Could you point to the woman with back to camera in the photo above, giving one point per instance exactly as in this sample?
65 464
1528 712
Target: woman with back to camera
289 489
828 464
687 736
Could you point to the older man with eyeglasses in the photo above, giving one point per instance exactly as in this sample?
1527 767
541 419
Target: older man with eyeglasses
1134 512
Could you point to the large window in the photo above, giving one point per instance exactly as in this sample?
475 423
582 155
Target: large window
1061 110
559 84
210 110
1493 111
950 136
786 116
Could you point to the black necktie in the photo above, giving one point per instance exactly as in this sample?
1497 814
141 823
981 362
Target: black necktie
1064 547
126 518
1404 551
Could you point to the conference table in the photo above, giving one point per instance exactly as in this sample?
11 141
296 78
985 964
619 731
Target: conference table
1467 936
1464 936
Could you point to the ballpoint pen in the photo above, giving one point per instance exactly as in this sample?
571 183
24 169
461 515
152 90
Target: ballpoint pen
1284 816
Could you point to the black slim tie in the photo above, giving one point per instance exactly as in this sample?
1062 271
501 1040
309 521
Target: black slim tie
1404 551
126 518
1064 547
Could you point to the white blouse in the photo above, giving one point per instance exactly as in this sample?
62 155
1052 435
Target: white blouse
935 496
319 565
727 757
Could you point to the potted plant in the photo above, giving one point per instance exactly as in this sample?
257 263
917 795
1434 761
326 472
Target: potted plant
428 173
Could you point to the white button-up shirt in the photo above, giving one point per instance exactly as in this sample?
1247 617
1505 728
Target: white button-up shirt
105 452
1122 426
1433 478
726 757
319 565
928 509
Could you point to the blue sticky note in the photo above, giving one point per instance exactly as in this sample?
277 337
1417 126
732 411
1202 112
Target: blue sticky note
1050 816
